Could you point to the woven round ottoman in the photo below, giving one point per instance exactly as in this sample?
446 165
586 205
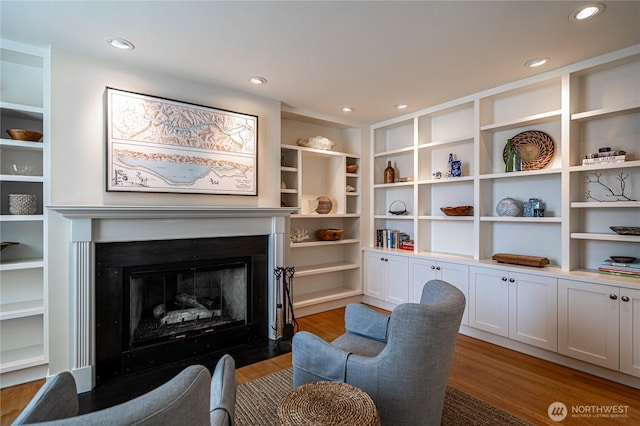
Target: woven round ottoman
327 403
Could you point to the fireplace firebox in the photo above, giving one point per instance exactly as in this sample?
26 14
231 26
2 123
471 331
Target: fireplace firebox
159 302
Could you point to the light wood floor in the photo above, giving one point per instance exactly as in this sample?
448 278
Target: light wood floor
517 383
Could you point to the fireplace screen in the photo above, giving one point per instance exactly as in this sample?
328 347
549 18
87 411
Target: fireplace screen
175 303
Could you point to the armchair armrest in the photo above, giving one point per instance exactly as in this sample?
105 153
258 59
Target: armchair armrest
223 392
362 320
313 357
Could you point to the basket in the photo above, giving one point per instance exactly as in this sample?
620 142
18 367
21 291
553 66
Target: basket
22 204
536 149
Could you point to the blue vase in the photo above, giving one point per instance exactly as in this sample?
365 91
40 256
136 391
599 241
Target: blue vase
455 167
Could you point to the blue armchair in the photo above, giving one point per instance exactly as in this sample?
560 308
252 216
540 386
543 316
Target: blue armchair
192 397
401 361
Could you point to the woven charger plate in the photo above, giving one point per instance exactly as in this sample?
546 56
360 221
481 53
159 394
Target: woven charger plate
536 149
327 403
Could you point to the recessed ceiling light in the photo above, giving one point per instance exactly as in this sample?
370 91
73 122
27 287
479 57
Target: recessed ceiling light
536 62
346 109
120 43
256 79
586 12
401 106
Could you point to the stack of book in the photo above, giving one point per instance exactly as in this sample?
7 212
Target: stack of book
610 267
387 238
604 156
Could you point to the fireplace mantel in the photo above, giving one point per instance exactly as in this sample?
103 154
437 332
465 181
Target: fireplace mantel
166 212
92 224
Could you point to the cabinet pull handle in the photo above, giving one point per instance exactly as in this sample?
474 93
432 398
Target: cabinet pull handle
504 278
613 296
625 298
512 280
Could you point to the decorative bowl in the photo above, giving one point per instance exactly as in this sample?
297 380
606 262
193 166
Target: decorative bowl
4 245
622 259
352 168
21 169
626 230
458 211
317 142
329 234
24 135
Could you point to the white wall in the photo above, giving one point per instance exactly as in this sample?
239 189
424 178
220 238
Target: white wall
78 165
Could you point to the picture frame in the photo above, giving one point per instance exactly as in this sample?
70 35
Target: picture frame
162 145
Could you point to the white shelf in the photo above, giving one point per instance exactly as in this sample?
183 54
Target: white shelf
455 141
393 216
288 191
324 216
21 218
324 243
504 175
21 145
22 111
445 180
302 271
16 359
21 178
605 112
15 265
314 298
605 166
454 218
605 237
21 309
524 121
605 204
521 219
399 151
393 185
288 169
320 152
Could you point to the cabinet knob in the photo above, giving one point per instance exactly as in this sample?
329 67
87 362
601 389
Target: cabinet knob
386 260
437 268
613 296
504 278
433 267
382 259
512 280
625 298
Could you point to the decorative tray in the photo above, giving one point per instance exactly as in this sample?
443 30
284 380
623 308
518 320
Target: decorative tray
536 149
521 259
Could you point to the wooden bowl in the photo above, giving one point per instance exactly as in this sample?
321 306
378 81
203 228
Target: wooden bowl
352 168
24 135
329 234
458 211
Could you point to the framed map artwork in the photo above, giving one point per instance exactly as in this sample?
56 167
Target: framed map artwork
161 145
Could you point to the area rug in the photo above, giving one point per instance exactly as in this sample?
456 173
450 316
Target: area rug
257 402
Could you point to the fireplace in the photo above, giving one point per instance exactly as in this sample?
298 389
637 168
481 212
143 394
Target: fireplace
159 302
114 228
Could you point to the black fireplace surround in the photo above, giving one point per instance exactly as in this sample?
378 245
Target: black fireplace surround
166 301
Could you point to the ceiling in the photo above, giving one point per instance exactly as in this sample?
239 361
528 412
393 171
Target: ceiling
322 55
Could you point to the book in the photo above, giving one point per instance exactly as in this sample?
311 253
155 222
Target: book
610 264
604 154
604 160
620 274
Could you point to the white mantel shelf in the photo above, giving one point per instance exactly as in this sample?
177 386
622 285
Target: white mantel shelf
167 212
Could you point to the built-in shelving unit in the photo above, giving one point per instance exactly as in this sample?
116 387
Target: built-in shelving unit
23 283
582 108
327 273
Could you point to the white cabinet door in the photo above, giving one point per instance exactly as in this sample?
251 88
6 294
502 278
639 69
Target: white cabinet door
630 331
397 279
489 300
588 318
533 310
423 270
374 274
